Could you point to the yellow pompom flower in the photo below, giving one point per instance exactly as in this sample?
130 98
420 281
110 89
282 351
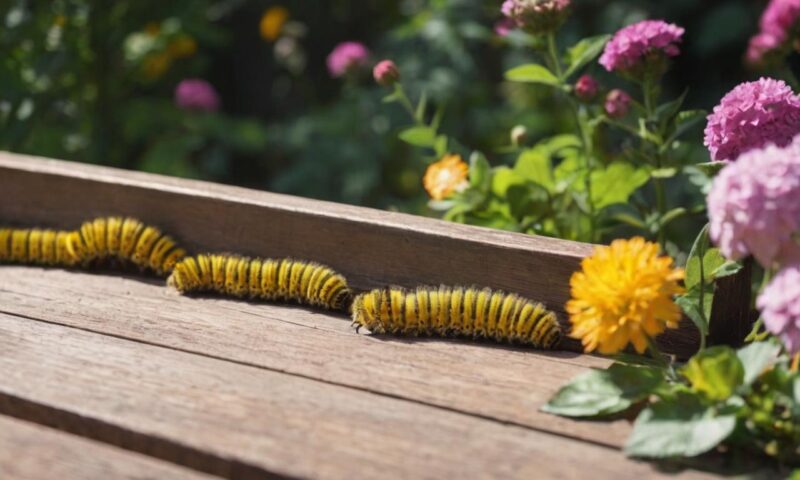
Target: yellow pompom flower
272 23
445 177
624 294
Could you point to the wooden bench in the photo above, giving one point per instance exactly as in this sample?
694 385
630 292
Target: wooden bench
117 376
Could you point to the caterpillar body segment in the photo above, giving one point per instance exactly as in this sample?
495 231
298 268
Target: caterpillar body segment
265 279
459 312
38 247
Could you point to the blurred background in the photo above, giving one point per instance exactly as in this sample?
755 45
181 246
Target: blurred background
106 83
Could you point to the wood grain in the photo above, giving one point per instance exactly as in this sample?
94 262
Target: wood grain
32 452
372 248
244 422
462 376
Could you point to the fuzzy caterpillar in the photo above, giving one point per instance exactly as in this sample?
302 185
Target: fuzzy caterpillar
457 311
126 240
266 279
38 247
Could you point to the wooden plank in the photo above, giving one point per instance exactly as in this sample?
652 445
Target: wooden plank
245 422
372 248
32 452
462 376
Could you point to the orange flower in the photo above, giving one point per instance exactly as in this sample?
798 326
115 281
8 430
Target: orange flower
624 294
445 177
272 23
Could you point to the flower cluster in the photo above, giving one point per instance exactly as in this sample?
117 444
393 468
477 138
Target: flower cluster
777 27
196 94
780 307
445 177
753 115
624 294
346 57
638 46
754 206
537 16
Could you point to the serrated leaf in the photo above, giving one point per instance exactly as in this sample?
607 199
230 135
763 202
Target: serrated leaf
678 427
532 73
756 357
605 392
418 136
715 372
584 52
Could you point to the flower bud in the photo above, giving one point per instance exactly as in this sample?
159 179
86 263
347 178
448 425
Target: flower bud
586 88
537 16
618 103
386 73
518 135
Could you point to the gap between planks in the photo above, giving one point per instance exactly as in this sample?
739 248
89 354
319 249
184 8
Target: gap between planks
244 422
457 376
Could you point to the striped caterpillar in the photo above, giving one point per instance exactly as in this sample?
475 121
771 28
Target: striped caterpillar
457 311
100 240
267 279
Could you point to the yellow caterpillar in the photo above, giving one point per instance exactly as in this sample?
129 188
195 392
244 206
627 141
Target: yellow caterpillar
457 311
38 247
96 241
267 279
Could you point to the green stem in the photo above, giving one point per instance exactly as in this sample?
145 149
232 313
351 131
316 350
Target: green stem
552 48
659 357
648 91
404 100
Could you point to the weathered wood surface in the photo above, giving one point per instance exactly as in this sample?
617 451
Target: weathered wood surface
242 421
372 248
32 452
466 377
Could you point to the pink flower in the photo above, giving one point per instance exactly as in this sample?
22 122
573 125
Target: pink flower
753 115
586 88
636 45
780 307
777 26
754 206
196 94
537 16
386 73
504 26
618 103
346 57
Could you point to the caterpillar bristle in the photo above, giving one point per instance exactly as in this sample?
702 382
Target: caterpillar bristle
105 240
458 312
266 279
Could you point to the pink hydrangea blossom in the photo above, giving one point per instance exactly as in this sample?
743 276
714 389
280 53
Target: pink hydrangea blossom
780 307
617 103
754 206
196 94
537 16
777 27
631 46
752 115
346 57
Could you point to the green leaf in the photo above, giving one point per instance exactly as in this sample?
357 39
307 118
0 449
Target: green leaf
683 123
668 110
756 357
664 172
711 169
727 269
480 176
679 427
699 315
605 392
705 263
672 215
504 178
440 145
716 372
419 136
616 184
422 107
532 73
534 164
584 52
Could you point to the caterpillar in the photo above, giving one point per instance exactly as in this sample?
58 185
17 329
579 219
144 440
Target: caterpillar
266 279
457 311
38 247
96 241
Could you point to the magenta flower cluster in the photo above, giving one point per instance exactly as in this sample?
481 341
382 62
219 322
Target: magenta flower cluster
346 57
754 206
780 307
196 94
778 24
631 46
753 115
536 16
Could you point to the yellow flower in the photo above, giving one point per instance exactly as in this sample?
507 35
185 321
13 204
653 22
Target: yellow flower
624 293
445 177
272 23
182 47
